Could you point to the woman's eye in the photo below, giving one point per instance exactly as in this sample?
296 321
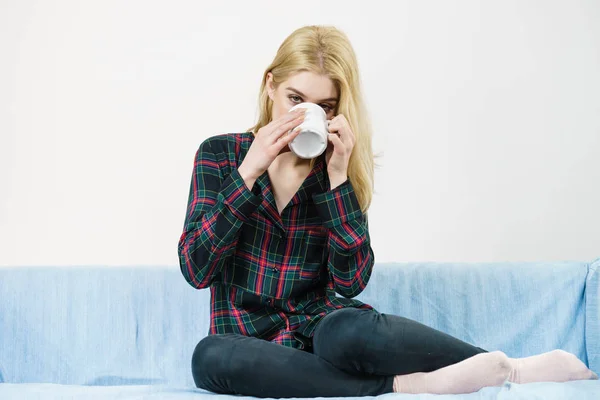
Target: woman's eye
296 99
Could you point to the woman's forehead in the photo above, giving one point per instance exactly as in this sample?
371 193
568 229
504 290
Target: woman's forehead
311 85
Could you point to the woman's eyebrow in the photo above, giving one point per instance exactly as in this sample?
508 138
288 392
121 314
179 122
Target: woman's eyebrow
301 94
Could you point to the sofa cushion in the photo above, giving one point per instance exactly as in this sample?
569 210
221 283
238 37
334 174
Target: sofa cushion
576 390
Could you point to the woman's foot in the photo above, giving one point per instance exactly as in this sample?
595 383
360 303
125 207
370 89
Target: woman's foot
467 376
553 366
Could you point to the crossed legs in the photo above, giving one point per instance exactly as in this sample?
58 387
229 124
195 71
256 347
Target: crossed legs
359 352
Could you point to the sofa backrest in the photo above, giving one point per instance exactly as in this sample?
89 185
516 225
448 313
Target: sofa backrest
592 321
139 325
520 308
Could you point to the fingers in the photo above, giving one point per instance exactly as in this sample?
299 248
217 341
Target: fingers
287 118
283 141
339 125
337 142
284 128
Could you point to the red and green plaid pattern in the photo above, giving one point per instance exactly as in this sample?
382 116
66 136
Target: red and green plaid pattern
271 276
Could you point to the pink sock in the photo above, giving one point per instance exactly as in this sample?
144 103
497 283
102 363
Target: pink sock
467 376
553 366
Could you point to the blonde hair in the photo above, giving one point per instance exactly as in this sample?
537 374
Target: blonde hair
326 50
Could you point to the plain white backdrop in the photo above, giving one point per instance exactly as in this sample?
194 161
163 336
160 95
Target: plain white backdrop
486 116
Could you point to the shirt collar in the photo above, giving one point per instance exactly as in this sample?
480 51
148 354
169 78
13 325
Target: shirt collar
317 180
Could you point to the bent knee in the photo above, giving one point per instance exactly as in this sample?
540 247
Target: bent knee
343 335
207 360
502 365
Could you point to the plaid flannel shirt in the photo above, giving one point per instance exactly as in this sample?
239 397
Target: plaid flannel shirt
271 276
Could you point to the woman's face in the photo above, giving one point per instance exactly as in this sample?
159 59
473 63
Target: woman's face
303 87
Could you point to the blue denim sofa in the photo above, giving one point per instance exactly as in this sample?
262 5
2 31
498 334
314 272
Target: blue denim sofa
129 332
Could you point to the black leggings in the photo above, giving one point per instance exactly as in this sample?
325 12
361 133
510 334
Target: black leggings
356 352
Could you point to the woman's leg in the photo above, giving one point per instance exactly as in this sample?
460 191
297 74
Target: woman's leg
237 364
553 366
367 342
422 359
426 360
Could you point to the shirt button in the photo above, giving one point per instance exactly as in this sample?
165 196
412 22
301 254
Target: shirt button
275 269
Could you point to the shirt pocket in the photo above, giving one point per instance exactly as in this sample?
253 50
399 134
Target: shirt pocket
315 253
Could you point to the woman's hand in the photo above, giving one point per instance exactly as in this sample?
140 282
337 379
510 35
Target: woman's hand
270 141
341 142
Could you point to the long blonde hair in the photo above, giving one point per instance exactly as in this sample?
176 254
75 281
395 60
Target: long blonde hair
326 50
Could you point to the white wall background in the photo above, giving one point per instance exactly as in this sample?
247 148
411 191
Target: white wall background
487 115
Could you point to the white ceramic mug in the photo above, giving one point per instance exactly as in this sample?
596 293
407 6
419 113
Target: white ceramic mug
311 142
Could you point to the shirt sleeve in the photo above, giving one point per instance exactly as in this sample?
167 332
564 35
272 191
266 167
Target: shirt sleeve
217 208
351 258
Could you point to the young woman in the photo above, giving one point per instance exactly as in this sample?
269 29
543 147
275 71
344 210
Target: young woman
275 236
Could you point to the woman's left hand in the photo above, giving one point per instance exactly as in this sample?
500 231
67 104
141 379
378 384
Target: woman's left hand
340 144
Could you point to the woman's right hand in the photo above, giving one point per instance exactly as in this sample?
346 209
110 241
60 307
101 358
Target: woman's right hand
270 141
